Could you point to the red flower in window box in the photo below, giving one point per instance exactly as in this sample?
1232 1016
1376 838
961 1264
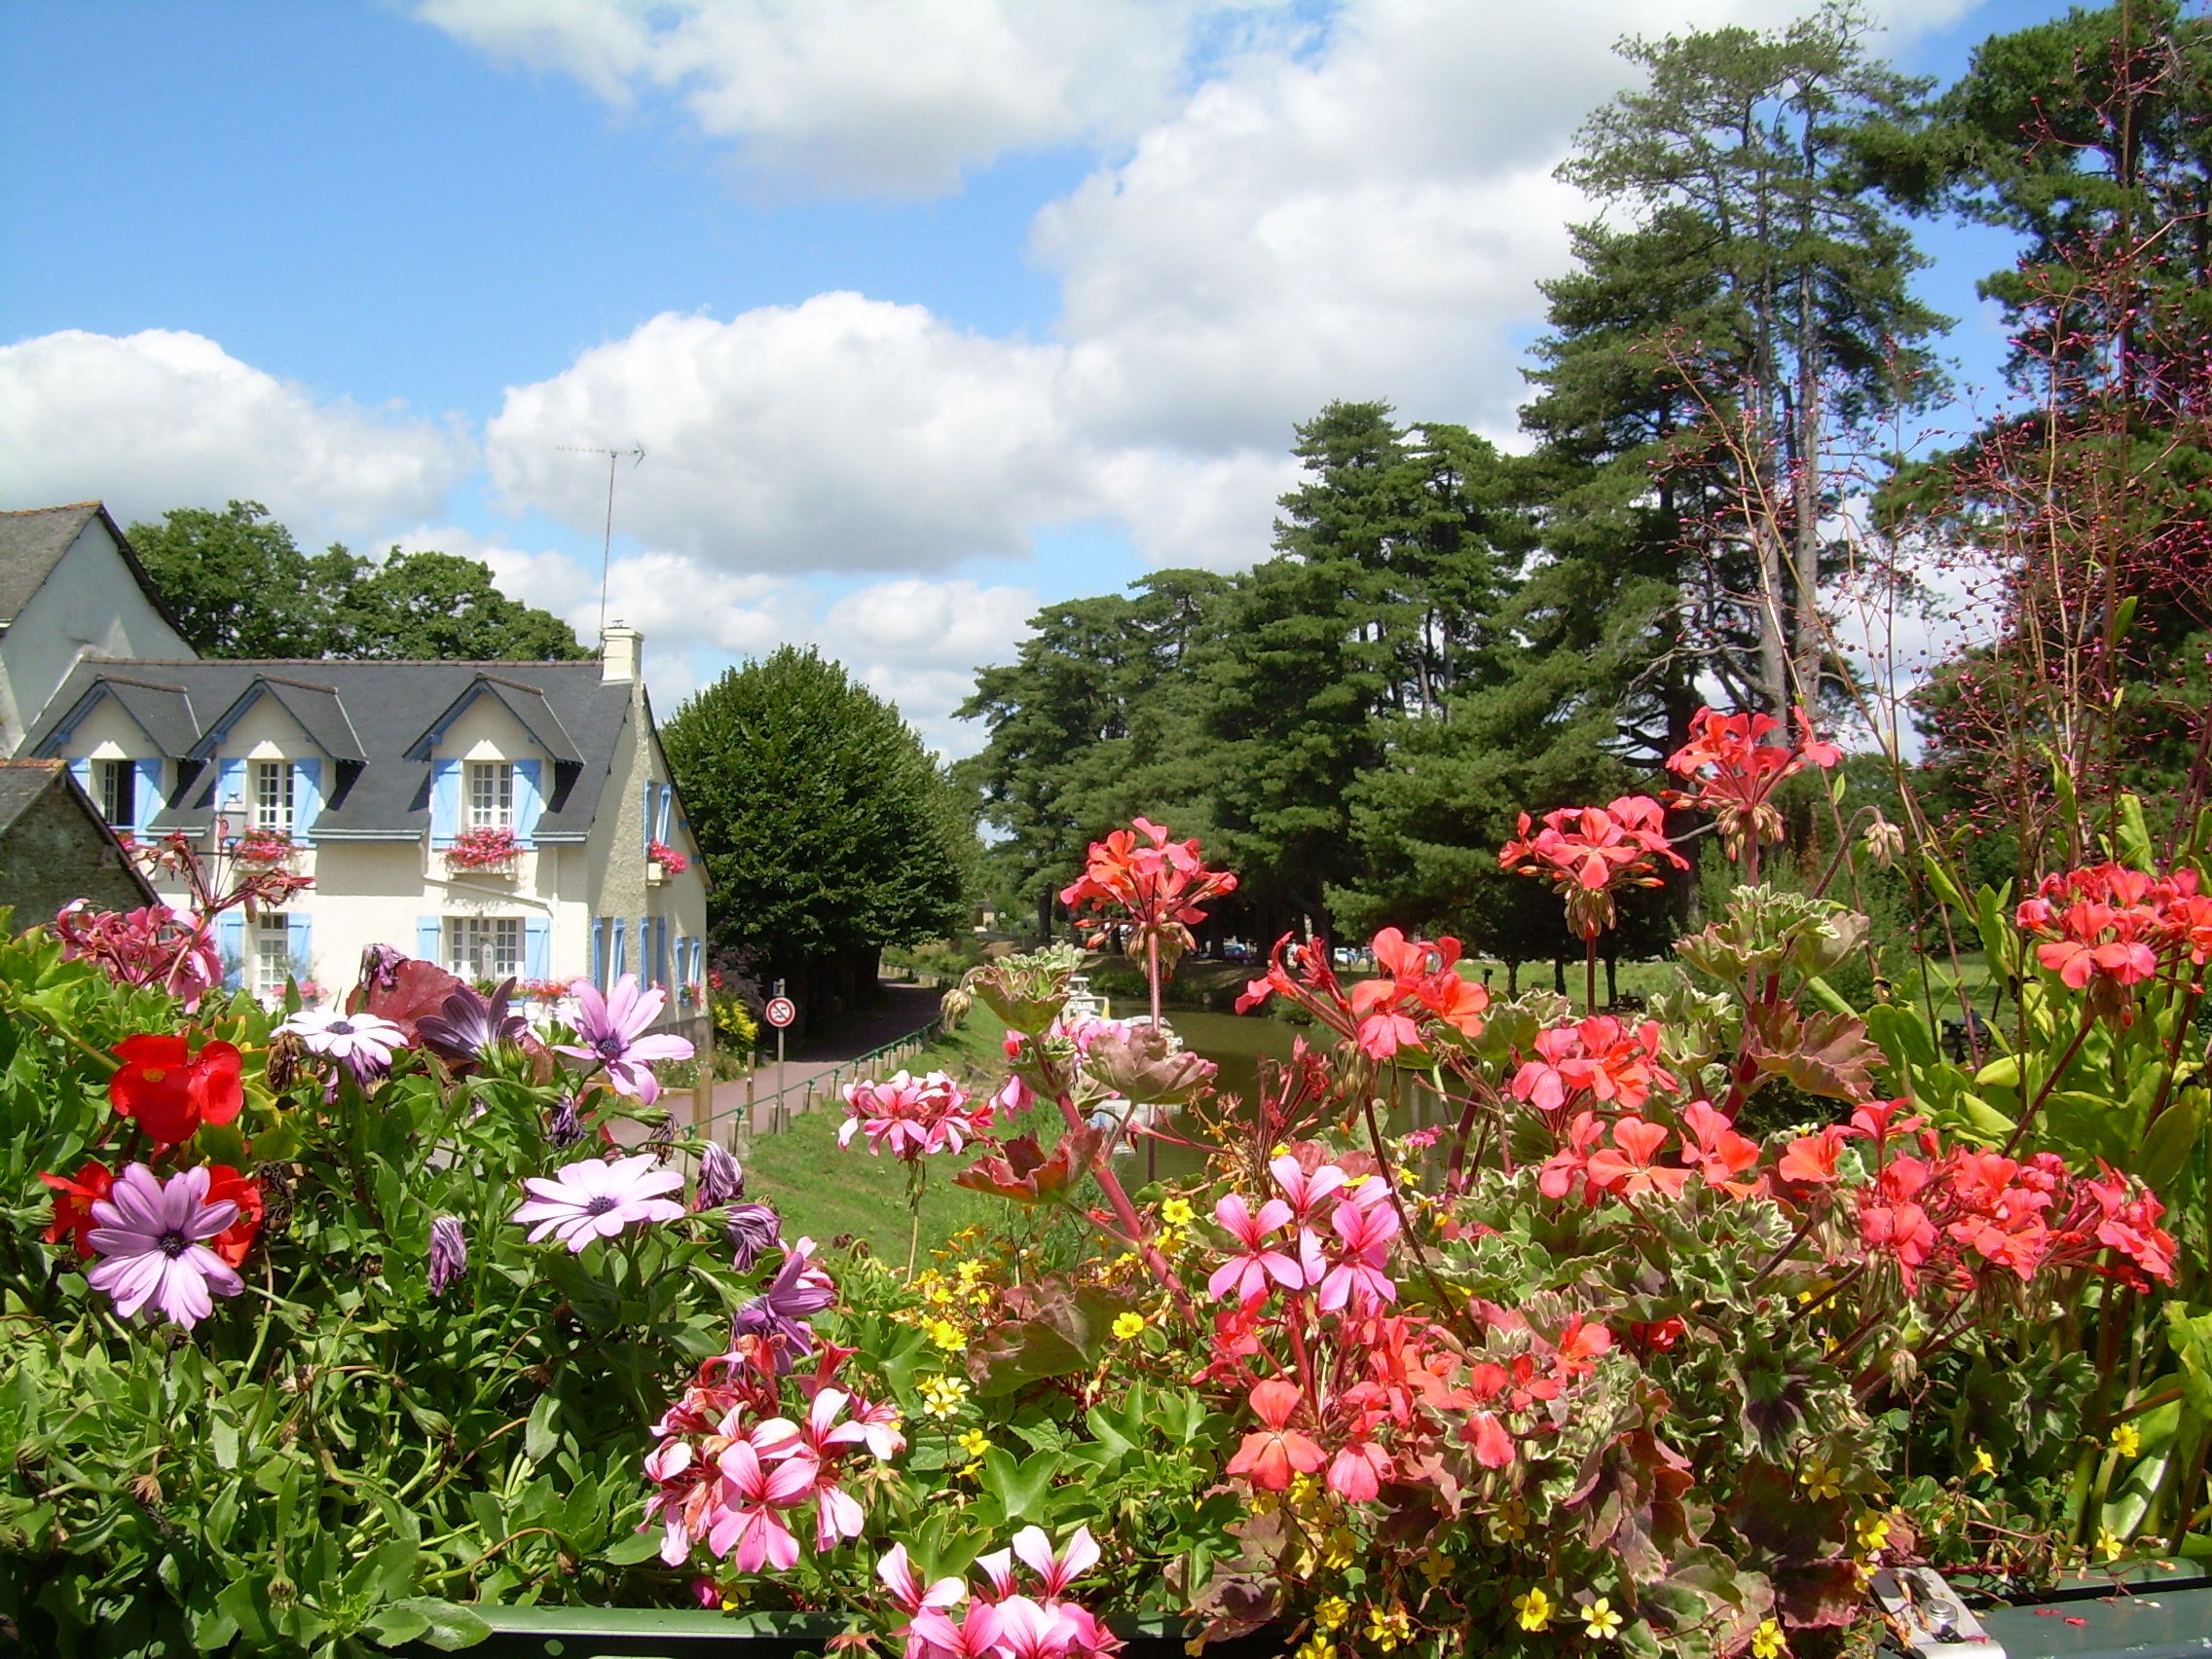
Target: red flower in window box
268 848
493 847
667 857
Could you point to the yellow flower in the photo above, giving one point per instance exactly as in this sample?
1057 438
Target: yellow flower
942 1396
1983 1463
2107 1543
2126 1439
1599 1622
948 1336
1342 1550
1437 1567
938 1296
1332 1612
1821 1480
1128 1326
1169 1242
1302 1487
1873 1530
1177 1213
1388 1631
1511 1522
1534 1608
972 1441
1766 1640
971 1270
1315 1646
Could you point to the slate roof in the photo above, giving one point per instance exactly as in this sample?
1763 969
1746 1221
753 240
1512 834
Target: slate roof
22 782
32 542
373 720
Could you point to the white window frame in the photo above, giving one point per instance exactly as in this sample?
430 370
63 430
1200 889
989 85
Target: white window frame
117 785
484 948
490 799
271 954
275 795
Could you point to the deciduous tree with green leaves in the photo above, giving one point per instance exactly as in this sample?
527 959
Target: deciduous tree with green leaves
829 830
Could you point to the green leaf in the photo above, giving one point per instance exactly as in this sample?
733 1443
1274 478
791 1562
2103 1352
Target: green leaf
1019 1488
2163 1157
629 1551
540 1437
445 1625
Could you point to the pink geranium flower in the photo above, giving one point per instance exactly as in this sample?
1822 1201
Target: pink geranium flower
754 1496
152 1238
611 1029
1247 1273
592 1199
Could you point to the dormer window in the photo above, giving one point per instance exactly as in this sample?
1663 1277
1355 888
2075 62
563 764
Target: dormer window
491 795
272 795
117 781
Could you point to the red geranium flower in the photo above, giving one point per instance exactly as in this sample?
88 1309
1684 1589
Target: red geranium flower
73 1202
235 1239
169 1092
1270 1456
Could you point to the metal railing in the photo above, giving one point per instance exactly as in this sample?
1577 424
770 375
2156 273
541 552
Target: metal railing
875 1064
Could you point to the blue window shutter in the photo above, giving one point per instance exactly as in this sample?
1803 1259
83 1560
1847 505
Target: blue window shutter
148 804
445 802
427 930
660 950
530 800
538 947
306 798
621 963
599 951
230 789
229 944
299 944
651 796
667 801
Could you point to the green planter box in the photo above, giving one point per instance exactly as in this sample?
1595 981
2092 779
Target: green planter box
685 1633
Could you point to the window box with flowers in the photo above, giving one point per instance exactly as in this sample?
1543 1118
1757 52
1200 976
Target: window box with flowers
488 850
265 849
662 861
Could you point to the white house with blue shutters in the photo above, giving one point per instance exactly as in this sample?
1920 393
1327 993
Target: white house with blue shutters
374 770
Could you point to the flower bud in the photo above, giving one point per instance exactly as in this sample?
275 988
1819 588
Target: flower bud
287 1057
449 1253
722 1178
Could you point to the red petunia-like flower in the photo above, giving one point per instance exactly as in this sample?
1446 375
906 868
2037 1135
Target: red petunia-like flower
235 1239
1270 1456
168 1091
73 1200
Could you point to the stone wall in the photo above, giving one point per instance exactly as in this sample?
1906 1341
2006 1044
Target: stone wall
51 856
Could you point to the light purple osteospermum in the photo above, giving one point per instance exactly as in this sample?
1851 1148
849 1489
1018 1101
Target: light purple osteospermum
592 1199
611 1029
449 1253
362 1041
799 1290
722 1178
151 1239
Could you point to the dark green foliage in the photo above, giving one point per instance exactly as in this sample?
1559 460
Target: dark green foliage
241 587
829 830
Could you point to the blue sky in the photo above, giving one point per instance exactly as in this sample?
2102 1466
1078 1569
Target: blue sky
926 312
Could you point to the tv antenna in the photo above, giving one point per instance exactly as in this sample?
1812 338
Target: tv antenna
607 540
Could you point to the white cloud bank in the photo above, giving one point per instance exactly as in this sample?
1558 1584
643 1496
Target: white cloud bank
164 419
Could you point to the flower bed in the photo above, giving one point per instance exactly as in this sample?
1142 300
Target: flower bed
1485 1324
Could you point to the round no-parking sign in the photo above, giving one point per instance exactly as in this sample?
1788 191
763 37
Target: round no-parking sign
779 1011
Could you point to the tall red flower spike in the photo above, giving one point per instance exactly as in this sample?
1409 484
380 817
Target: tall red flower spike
1591 852
1736 771
1157 883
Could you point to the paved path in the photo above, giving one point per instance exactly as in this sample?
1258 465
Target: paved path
821 1060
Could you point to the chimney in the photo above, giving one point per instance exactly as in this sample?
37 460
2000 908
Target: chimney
620 647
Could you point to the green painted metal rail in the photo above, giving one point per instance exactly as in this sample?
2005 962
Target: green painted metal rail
875 1064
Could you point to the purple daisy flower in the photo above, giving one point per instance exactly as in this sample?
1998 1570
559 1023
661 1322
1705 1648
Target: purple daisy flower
611 1029
466 1025
152 1240
798 1291
592 1199
361 1042
449 1253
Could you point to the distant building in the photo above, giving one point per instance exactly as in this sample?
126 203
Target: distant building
70 587
55 847
396 785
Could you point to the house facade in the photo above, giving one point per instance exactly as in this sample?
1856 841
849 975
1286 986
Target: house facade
498 818
70 588
55 847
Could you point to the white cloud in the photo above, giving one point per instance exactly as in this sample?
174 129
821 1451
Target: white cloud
895 97
841 435
165 418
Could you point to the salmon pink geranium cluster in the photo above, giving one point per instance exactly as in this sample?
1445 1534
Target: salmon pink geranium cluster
1590 853
1736 771
732 1471
913 1116
1002 1619
2106 928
